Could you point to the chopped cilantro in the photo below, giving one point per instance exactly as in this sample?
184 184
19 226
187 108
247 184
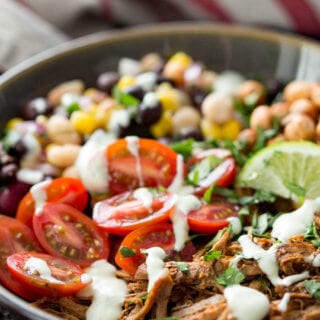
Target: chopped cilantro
230 276
313 235
313 288
124 98
260 224
218 236
126 252
212 255
208 194
183 266
183 147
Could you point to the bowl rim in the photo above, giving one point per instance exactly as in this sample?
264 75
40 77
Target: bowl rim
102 38
7 298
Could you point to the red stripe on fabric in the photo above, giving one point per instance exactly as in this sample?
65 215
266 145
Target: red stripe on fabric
105 6
164 10
214 9
303 17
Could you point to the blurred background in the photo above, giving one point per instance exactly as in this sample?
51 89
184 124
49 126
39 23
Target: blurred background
30 26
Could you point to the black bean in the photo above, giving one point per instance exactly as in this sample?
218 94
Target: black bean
18 150
188 133
135 91
35 107
8 172
197 95
148 115
107 80
273 87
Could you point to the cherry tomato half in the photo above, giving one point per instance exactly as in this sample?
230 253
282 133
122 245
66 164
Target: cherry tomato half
127 211
210 218
63 190
65 232
134 162
15 237
222 174
46 275
129 255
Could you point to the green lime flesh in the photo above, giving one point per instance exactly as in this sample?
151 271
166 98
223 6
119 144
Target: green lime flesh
290 170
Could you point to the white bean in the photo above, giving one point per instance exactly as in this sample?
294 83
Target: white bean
63 156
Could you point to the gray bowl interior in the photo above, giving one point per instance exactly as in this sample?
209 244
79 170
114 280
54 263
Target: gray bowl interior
254 53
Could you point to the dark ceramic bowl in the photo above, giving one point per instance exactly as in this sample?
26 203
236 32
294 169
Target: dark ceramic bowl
254 53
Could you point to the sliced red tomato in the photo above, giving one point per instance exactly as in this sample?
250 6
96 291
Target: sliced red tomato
135 162
65 232
222 174
63 190
127 211
15 237
129 255
210 218
46 275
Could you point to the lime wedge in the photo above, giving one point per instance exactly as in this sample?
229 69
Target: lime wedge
290 170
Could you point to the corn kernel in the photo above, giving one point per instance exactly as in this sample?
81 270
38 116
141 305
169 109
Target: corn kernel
83 122
211 130
182 58
231 129
168 97
125 82
163 127
13 122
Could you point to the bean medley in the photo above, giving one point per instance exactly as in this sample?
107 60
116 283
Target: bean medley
176 100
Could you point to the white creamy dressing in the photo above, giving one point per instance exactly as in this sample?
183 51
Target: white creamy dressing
39 195
92 162
147 81
118 119
178 181
246 303
235 224
133 147
296 222
267 262
150 100
283 304
107 290
31 176
144 195
184 204
155 265
40 267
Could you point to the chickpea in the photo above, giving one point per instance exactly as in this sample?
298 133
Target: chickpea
301 127
73 86
297 90
151 62
279 138
63 156
261 117
71 172
252 87
315 94
279 110
174 70
304 106
249 136
207 79
217 108
61 131
185 117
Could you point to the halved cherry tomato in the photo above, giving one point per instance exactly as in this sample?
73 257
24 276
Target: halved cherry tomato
63 190
46 275
125 212
222 175
15 237
65 232
140 162
210 218
129 255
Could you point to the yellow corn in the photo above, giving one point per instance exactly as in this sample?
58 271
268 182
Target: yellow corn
181 58
211 130
83 122
168 97
13 122
125 82
231 129
163 127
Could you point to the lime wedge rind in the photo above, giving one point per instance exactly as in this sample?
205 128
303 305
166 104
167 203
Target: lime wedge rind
289 169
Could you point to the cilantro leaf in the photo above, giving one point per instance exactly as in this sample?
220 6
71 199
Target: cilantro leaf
313 235
313 288
124 98
260 224
183 266
127 252
212 255
230 276
183 147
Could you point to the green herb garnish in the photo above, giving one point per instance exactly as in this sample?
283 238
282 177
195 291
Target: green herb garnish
230 276
124 98
212 255
126 252
313 288
183 266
